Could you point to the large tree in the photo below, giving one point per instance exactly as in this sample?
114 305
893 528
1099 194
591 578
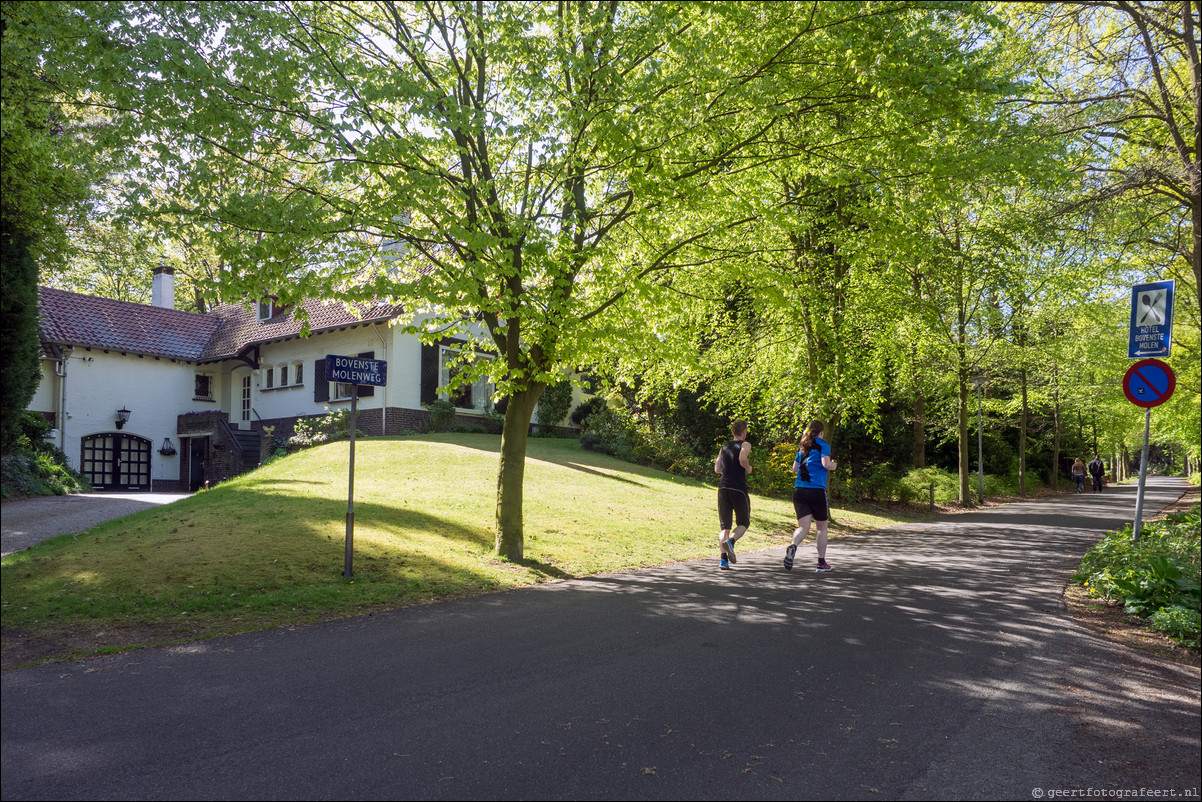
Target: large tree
542 166
49 157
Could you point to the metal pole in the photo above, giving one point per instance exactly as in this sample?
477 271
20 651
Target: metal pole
350 493
1143 475
980 450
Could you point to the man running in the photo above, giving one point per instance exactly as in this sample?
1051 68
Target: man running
733 463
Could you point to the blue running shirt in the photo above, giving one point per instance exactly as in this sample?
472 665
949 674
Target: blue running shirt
813 463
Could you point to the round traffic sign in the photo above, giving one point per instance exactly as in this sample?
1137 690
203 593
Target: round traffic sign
1149 383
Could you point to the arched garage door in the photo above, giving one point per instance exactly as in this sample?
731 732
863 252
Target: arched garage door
116 461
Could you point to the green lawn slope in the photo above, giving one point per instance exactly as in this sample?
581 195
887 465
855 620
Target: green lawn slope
266 549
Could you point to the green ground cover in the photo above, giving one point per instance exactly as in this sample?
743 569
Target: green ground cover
266 549
1156 577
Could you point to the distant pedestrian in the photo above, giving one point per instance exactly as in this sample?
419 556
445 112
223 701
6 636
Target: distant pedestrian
734 505
810 502
1097 470
1079 474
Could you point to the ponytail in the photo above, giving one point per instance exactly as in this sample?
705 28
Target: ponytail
811 434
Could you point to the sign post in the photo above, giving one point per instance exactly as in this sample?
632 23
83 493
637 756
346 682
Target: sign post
354 370
1148 383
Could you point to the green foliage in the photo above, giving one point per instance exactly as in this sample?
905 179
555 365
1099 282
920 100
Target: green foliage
20 349
554 403
1156 577
35 467
582 413
312 431
772 471
441 414
615 432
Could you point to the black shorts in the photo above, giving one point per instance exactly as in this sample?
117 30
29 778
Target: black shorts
732 500
811 501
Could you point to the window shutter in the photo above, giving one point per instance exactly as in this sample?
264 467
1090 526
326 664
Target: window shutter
367 390
429 374
321 387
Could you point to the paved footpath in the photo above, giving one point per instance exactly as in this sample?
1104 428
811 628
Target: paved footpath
936 662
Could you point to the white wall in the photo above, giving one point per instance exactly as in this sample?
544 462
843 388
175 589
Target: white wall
292 400
155 391
45 398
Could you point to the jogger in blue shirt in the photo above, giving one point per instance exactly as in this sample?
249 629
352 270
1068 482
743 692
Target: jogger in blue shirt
810 502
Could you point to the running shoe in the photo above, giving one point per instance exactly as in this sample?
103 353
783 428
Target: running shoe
790 552
728 550
823 567
723 564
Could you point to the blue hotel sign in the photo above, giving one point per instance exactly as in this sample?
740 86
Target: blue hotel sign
356 370
1151 333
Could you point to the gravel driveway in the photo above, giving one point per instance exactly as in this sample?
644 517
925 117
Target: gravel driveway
24 522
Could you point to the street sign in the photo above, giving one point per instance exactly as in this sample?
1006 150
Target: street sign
1149 383
1151 333
356 370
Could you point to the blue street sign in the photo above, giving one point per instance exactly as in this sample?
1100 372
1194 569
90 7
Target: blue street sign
356 370
1151 320
1149 383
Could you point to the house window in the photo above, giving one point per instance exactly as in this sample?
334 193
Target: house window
266 310
466 396
270 378
203 389
283 375
341 391
246 397
298 373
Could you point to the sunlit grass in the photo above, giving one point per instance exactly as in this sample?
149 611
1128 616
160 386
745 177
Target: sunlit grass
267 548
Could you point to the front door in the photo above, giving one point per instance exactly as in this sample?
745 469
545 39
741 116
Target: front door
116 461
196 463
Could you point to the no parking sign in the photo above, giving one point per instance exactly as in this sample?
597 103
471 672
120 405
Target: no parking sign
1149 383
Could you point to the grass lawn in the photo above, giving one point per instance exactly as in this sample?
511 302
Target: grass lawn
266 549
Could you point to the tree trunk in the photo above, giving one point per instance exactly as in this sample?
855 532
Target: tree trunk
962 379
920 432
512 472
965 493
1056 428
1022 441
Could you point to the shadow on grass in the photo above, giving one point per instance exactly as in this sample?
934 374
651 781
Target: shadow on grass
594 472
544 569
255 484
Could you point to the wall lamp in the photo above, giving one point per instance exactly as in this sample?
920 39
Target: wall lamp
122 417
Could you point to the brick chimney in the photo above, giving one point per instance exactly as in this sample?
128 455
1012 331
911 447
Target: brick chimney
162 289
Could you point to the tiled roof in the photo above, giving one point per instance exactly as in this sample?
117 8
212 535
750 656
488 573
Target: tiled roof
240 329
69 318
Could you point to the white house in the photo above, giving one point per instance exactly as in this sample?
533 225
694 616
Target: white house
147 397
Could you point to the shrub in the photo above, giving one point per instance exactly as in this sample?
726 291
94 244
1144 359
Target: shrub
35 466
554 403
582 413
26 473
615 432
772 472
1156 577
311 431
442 412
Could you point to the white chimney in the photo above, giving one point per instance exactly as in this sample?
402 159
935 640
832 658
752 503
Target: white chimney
162 290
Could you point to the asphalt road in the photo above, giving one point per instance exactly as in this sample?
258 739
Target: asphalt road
936 662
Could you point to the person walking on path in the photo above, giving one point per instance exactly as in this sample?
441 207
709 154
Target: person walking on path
1097 470
812 465
734 505
1079 474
